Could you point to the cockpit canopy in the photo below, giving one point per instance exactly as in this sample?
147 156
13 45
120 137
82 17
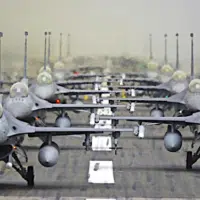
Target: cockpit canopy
194 85
152 65
104 84
179 76
167 69
44 78
59 65
48 69
19 89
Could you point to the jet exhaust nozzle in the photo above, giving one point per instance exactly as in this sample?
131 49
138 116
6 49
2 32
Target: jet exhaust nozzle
48 154
173 141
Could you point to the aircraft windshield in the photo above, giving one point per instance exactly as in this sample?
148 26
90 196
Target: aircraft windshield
194 85
19 89
167 69
152 65
44 78
48 69
59 65
179 76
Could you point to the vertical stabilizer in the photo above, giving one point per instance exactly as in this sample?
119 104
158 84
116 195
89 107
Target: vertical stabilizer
1 35
25 79
177 51
68 45
165 58
60 53
25 54
150 47
45 51
192 56
49 48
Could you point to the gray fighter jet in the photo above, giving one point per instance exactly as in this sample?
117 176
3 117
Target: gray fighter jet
46 88
187 99
11 129
24 104
178 82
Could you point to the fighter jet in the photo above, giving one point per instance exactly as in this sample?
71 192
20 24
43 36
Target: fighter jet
11 129
46 88
23 104
166 70
186 101
173 138
178 82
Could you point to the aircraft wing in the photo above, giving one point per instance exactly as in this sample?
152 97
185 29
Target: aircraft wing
140 80
84 76
76 106
145 100
4 91
7 82
56 131
77 82
192 119
82 92
143 87
18 127
140 74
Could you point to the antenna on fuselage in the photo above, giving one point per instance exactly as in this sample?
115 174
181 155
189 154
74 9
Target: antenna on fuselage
177 51
1 35
45 50
60 56
165 58
68 46
49 49
150 47
192 56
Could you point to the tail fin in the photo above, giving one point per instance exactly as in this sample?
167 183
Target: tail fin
45 51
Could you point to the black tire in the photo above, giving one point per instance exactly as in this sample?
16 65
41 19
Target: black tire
189 160
30 176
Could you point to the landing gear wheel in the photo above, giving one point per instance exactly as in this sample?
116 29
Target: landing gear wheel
189 160
30 176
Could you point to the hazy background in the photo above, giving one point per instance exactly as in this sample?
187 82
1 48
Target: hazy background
112 27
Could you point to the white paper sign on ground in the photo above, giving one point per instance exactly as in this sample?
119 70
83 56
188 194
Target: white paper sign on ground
101 172
101 143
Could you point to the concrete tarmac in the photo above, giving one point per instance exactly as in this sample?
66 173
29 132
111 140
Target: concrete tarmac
142 169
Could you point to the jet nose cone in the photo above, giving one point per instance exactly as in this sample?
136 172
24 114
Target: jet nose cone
173 141
48 156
